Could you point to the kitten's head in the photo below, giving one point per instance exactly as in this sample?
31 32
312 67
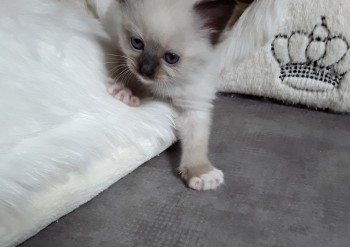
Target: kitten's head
164 40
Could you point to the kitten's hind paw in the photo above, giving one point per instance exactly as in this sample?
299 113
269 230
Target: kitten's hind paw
122 93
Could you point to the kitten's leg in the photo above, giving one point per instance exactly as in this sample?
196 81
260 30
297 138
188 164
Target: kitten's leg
195 168
122 93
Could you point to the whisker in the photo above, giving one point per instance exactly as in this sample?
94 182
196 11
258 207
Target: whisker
119 56
121 75
115 69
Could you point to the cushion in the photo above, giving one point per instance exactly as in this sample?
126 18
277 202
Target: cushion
306 62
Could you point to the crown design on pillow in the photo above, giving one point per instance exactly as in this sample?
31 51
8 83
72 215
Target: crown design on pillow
315 61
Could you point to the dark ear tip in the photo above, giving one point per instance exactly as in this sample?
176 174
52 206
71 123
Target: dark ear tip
215 14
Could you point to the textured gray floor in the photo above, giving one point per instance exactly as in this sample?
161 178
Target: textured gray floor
287 184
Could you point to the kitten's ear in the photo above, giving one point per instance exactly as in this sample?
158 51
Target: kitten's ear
216 14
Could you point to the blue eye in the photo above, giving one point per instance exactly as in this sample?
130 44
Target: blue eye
136 43
171 58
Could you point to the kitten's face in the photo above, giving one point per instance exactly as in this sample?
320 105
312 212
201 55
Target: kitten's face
163 40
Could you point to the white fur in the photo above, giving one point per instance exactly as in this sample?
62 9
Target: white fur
255 28
207 181
63 139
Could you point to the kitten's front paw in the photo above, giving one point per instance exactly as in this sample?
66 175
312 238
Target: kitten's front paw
122 93
202 177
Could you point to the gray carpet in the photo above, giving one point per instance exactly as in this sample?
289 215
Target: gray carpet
287 183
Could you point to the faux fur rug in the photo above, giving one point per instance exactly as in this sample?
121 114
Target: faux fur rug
307 62
63 138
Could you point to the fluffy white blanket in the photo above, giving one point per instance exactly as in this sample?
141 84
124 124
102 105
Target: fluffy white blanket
63 139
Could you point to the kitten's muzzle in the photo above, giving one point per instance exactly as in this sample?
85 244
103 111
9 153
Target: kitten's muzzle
148 65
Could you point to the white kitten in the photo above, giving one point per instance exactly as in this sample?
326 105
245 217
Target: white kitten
169 46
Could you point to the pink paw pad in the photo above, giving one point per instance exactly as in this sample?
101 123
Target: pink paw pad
122 93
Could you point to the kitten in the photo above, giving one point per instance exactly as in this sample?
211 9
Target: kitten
170 47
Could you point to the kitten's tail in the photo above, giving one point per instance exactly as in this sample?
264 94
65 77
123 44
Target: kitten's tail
257 26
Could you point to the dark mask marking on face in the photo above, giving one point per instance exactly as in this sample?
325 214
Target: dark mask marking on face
149 61
215 14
